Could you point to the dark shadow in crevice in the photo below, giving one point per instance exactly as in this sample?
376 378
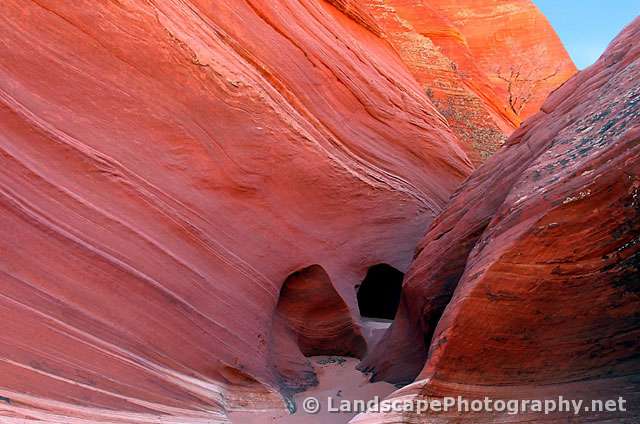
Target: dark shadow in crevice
379 293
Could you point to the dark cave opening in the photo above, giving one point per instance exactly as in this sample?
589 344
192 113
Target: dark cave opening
379 293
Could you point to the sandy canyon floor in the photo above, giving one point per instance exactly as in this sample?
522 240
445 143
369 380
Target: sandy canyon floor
339 379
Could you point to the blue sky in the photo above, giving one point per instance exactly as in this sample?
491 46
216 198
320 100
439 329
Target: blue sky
587 26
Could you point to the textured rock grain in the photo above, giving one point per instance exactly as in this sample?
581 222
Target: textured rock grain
165 165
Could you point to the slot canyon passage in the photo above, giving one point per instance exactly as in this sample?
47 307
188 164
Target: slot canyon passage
211 211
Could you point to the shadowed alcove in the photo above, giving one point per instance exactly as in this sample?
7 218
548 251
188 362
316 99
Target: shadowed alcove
379 293
317 315
311 319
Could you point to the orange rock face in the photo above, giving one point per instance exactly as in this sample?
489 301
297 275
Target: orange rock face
512 34
526 286
466 55
165 166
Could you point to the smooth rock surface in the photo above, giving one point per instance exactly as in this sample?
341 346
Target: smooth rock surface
165 166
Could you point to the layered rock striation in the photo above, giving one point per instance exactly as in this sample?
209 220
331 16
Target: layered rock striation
191 191
165 166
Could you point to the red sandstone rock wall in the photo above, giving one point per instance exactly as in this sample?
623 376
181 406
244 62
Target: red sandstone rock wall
165 166
458 50
526 286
